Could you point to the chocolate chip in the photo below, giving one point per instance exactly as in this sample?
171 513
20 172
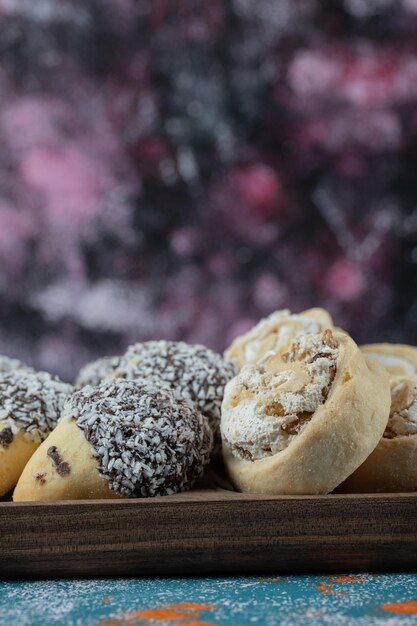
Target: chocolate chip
6 437
40 478
62 467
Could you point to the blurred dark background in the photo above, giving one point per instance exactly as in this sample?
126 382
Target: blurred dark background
179 169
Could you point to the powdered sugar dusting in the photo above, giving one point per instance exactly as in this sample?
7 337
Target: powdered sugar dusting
267 405
146 441
264 600
32 402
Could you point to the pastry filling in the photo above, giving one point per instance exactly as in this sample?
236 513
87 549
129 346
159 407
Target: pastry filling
268 404
403 416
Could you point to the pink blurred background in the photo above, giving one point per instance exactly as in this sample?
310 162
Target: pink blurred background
179 170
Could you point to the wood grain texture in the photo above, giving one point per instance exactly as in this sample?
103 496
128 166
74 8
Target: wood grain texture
209 531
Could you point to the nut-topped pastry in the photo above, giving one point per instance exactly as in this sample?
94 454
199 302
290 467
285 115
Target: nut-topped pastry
298 423
398 359
122 438
276 333
277 398
403 414
30 406
193 372
392 466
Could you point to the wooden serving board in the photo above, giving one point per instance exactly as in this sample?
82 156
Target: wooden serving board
210 530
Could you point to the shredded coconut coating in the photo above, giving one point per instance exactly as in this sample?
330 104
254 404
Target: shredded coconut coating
193 372
270 403
96 372
32 402
146 441
273 333
9 365
403 415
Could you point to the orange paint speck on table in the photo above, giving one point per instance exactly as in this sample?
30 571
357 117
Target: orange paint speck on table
187 611
348 579
326 588
403 608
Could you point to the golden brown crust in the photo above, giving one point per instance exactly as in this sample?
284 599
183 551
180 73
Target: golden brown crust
338 438
43 480
391 467
13 459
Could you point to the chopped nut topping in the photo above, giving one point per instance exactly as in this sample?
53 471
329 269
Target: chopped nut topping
276 333
329 339
270 403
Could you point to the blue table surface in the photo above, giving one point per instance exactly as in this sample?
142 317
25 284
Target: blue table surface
360 599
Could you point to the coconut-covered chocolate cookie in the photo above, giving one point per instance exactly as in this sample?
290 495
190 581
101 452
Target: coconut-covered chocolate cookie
122 438
30 406
96 372
8 364
193 372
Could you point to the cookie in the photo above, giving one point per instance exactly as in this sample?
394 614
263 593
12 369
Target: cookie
398 359
120 439
300 423
30 406
96 372
392 466
193 372
276 333
8 365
